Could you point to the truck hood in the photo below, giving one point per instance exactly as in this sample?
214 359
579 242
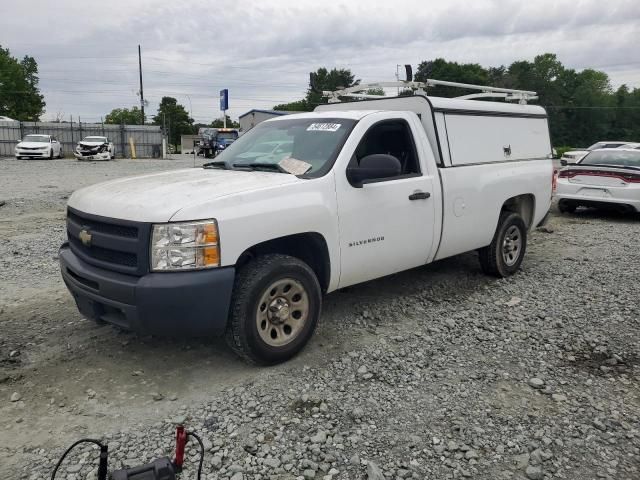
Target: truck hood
157 197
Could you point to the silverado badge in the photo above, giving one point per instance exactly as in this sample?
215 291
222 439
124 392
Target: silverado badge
85 237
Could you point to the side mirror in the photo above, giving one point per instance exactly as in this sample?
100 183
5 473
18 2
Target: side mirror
563 162
374 167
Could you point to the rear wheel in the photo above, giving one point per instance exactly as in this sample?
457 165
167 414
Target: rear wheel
504 255
275 309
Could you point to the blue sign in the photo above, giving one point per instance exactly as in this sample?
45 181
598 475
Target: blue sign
224 99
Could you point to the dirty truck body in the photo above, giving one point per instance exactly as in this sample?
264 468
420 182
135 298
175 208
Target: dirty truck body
244 249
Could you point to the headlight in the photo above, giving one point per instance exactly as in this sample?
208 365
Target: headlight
185 246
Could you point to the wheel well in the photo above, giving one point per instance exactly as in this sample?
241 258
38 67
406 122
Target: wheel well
309 247
524 205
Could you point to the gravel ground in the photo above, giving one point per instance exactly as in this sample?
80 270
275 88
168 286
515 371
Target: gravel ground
439 372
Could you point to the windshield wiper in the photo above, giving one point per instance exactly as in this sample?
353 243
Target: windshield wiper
216 164
272 167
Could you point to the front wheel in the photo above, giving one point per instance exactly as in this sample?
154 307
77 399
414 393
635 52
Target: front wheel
275 309
51 154
504 255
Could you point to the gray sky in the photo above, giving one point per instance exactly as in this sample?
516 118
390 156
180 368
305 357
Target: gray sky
263 50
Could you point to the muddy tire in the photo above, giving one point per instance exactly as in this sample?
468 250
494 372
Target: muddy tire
504 255
274 310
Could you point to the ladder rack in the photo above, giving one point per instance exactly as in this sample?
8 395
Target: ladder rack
508 94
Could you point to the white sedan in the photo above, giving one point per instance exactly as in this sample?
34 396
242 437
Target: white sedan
608 177
573 156
95 148
38 146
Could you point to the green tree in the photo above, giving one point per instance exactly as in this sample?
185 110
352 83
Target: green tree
128 116
298 106
20 96
440 69
375 91
175 119
327 80
218 123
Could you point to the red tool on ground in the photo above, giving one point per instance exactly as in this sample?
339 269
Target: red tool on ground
159 469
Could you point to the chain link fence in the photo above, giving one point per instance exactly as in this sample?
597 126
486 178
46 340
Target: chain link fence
146 139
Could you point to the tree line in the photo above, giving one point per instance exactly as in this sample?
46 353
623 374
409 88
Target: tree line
582 105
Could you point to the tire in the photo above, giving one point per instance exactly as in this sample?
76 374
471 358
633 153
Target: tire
511 234
51 154
257 313
566 207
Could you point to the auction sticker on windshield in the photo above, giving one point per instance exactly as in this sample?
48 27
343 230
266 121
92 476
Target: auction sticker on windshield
323 127
294 166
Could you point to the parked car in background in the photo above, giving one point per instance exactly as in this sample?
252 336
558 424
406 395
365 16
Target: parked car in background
603 178
572 156
95 148
38 146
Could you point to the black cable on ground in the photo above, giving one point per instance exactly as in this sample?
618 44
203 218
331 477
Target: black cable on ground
191 434
103 449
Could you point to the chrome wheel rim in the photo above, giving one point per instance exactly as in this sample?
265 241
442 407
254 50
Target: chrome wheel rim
282 313
512 245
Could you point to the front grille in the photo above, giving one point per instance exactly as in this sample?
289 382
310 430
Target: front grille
119 245
105 254
109 228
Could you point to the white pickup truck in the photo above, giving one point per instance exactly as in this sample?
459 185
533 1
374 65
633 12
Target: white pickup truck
248 245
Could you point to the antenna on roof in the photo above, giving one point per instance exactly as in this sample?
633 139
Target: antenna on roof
419 88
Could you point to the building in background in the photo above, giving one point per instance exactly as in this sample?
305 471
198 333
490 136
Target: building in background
254 117
188 143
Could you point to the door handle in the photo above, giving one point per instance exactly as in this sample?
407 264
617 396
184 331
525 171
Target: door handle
419 196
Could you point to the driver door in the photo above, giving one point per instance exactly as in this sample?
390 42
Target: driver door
386 225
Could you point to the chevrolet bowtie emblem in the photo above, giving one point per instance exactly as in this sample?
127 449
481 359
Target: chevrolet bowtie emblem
85 238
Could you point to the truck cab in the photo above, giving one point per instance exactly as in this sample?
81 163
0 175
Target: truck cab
303 205
215 140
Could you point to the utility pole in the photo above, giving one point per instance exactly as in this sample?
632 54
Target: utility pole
141 90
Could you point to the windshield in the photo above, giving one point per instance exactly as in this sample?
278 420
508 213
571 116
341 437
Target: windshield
227 135
613 158
36 138
94 139
316 141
